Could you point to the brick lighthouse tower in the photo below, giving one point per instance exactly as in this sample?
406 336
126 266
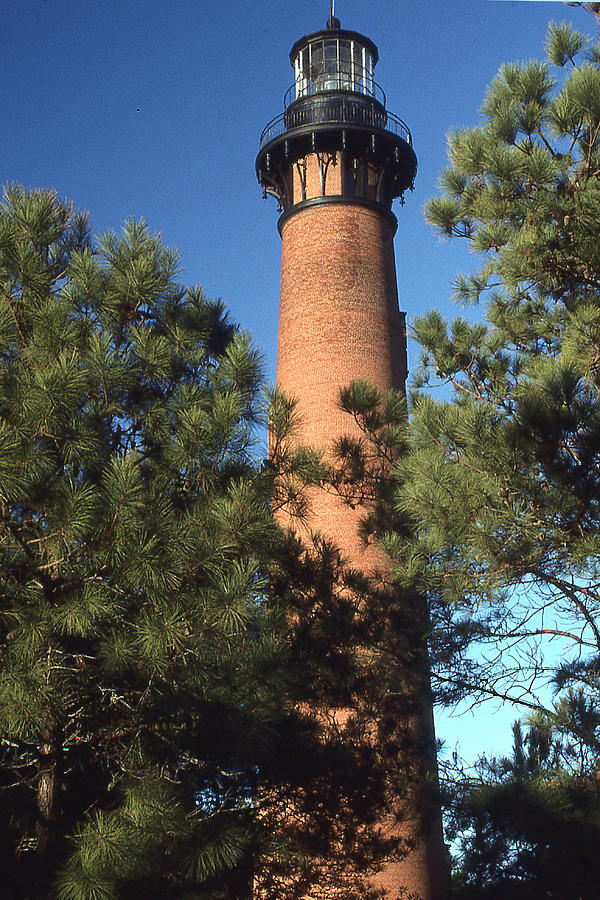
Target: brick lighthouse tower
335 159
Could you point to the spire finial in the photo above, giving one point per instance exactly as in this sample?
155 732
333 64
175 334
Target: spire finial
333 23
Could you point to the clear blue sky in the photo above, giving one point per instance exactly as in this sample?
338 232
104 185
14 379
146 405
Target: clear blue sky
153 109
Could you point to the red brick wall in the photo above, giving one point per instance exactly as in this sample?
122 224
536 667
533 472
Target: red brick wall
339 320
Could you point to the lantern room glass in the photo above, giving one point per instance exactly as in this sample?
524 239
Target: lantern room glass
333 64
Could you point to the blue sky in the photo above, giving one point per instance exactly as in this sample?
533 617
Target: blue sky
153 109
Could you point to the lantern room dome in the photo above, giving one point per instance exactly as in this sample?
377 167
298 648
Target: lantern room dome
333 60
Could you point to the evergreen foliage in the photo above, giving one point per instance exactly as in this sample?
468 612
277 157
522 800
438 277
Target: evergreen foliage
527 826
502 483
500 490
140 670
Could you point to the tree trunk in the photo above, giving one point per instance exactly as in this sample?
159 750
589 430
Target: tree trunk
49 788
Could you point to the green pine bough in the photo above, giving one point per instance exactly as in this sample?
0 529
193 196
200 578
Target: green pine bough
140 674
500 489
503 481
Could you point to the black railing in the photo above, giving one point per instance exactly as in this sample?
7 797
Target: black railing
357 81
337 111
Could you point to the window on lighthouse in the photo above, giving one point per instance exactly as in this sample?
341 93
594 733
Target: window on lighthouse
299 70
346 65
316 66
333 64
330 66
368 72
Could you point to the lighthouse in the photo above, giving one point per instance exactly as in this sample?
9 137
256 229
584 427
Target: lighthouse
335 160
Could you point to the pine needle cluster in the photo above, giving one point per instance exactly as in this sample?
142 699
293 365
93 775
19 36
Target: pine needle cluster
519 821
501 486
140 669
503 480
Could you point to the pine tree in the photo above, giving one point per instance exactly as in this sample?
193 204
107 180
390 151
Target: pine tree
140 668
527 826
502 482
499 489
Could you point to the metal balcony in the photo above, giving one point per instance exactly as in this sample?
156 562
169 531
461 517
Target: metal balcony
335 109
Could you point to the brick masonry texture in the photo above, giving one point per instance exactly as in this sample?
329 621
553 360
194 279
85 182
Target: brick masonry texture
339 321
